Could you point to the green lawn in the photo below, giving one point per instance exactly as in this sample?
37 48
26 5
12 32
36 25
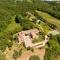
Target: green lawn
44 27
40 38
49 18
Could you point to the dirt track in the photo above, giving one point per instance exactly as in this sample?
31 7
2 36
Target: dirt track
26 55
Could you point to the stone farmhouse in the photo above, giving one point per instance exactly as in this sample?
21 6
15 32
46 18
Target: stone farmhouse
27 36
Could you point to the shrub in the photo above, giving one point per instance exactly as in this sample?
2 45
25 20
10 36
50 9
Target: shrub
34 57
17 54
30 48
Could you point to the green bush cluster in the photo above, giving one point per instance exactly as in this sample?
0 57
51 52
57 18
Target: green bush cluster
53 49
7 10
6 40
17 54
26 24
34 57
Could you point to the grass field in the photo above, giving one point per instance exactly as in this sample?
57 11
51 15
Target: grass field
44 27
49 18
